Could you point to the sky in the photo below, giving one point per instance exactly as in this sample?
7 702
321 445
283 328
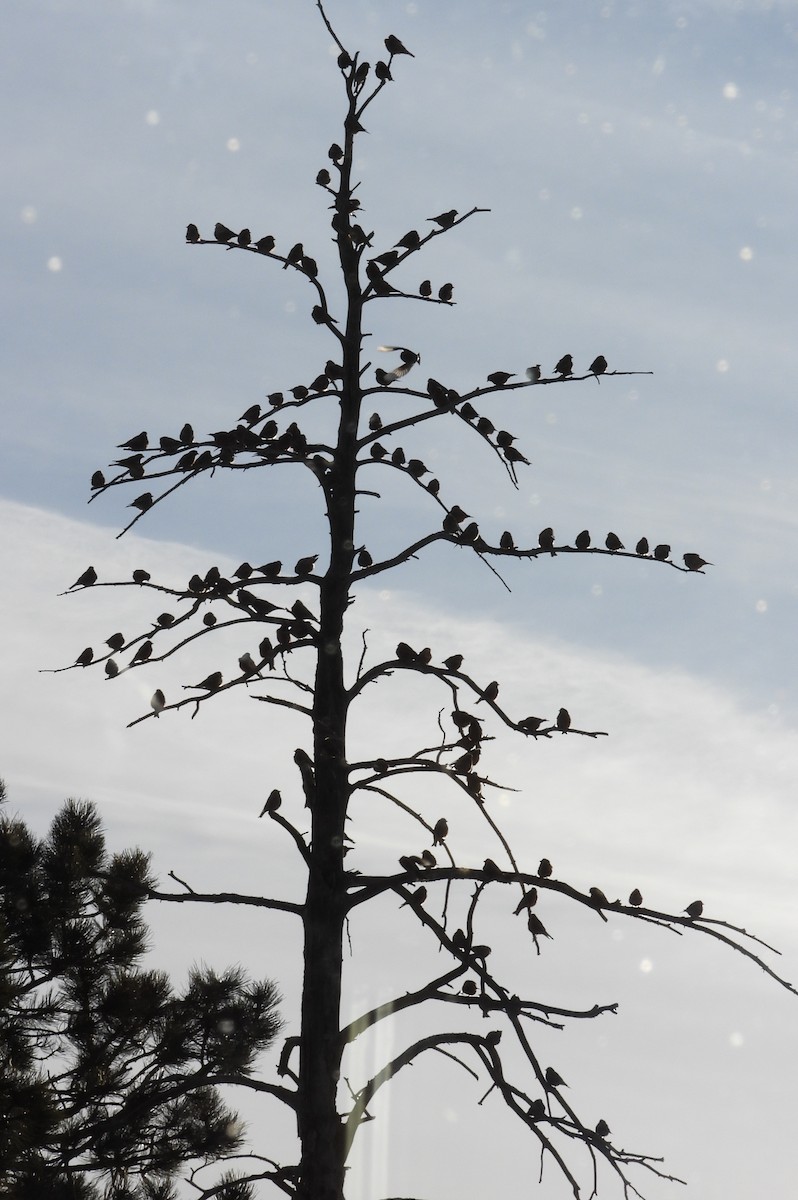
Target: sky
640 165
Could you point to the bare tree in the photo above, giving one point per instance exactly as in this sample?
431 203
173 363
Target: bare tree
300 664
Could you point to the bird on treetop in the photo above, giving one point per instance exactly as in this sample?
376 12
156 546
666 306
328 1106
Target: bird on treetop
445 219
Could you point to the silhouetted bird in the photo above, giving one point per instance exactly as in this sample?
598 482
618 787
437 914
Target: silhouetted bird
209 684
613 542
515 456
222 233
98 480
165 620
139 442
209 619
247 664
492 869
375 422
273 802
499 378
335 152
409 358
410 863
446 292
398 457
186 435
533 373
364 559
425 288
694 562
192 233
544 868
536 927
506 541
158 702
434 486
531 724
168 444
597 898
85 657
140 576
602 1128
416 898
244 238
695 909
485 426
445 219
642 546
305 565
528 900
537 1110
582 541
271 569
565 366
116 641
394 46
662 552
410 241
636 898
440 831
490 692
111 669
546 540
563 720
323 178
142 654
469 988
265 245
454 662
88 577
553 1079
428 859
598 366
294 255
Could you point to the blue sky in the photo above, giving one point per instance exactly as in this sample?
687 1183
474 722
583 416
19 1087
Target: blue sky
640 163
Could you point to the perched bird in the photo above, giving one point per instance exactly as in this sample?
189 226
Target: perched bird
111 669
490 693
597 898
142 502
405 653
210 684
192 233
222 233
142 654
695 909
537 1110
428 859
335 152
546 540
485 426
506 541
598 366
454 662
563 720
544 869
98 480
411 240
445 292
364 559
499 378
247 664
244 238
445 219
294 256
139 442
635 898
88 577
410 863
425 288
158 702
694 562
528 900
642 546
186 435
582 541
141 576
662 552
265 245
165 620
273 802
323 178
375 422
553 1079
536 927
116 641
394 46
440 831
469 988
305 565
85 657
533 373
531 724
602 1128
409 358
613 542
565 366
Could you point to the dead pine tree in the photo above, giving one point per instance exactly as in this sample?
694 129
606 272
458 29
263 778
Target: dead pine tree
262 599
